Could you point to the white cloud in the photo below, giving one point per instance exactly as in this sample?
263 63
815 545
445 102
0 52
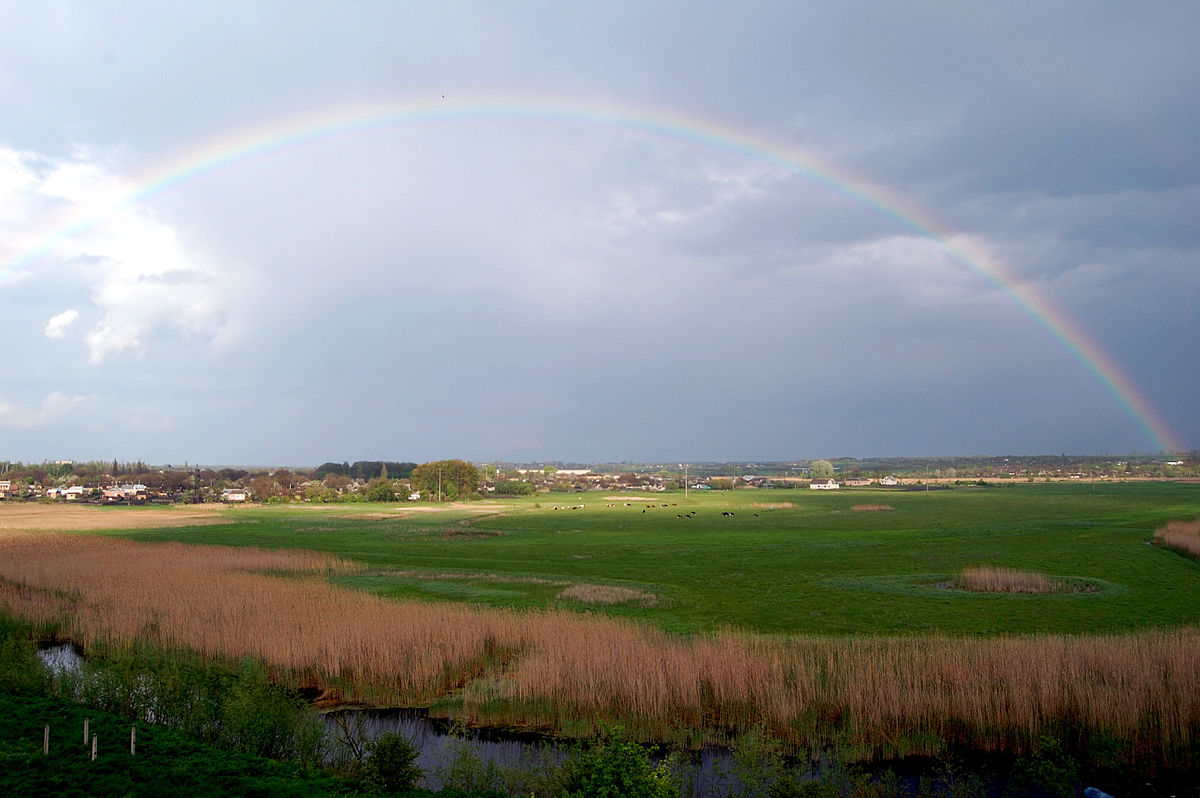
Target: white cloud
53 408
58 325
141 278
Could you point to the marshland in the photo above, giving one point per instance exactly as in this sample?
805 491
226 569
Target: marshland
977 620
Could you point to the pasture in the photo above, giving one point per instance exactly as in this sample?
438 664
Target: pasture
785 561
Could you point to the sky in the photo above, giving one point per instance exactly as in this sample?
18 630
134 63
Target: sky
293 232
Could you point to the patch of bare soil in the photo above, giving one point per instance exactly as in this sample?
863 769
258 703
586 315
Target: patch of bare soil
76 517
773 505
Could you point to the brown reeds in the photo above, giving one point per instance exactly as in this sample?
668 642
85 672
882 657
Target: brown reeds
990 579
608 594
557 670
1182 537
871 508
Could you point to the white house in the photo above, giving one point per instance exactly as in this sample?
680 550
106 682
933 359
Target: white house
824 484
233 495
889 480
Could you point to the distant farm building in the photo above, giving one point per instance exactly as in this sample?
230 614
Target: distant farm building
233 495
857 483
889 480
824 484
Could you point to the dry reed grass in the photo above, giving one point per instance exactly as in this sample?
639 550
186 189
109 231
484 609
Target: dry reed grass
990 579
1181 536
871 508
557 669
608 594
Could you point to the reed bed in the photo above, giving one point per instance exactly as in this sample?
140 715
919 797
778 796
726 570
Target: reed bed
556 670
990 579
608 594
1181 536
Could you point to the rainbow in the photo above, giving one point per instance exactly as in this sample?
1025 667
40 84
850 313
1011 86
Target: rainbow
299 131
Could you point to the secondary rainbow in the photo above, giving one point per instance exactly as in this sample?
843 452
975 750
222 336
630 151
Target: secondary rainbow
298 131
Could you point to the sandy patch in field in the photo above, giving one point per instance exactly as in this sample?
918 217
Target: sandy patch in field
74 517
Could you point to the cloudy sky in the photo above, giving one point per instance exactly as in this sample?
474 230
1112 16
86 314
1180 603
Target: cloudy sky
284 233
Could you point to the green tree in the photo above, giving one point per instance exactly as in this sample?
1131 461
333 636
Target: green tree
380 489
446 480
821 469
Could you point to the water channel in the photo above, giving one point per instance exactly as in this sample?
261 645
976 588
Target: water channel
441 745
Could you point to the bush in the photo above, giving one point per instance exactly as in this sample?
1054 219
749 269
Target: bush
616 768
1047 771
257 717
393 763
20 669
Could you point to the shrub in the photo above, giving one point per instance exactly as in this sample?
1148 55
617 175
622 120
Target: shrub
1047 771
617 768
20 669
258 717
393 763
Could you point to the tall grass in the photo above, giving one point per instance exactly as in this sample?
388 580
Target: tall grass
880 695
990 579
1181 536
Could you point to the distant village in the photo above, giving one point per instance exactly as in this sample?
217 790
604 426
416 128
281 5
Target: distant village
94 482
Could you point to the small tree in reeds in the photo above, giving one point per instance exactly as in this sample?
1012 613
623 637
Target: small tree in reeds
989 579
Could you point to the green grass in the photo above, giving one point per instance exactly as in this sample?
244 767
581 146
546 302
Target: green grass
166 763
815 568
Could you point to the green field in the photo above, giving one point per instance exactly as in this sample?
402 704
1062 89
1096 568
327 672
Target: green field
808 563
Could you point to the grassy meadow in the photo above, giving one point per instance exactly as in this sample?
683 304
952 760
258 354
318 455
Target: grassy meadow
809 563
833 619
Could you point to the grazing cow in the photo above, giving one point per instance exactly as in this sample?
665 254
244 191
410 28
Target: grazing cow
680 517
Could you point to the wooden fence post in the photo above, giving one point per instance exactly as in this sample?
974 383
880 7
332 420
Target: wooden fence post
94 748
133 740
85 731
46 741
